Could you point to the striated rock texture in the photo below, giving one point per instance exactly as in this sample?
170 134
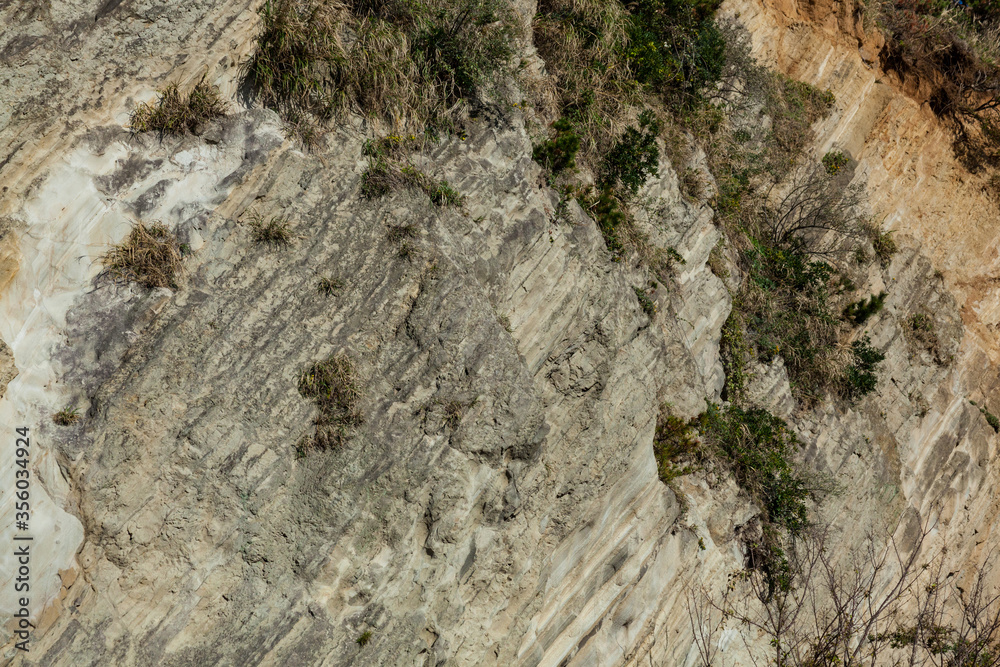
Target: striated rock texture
500 502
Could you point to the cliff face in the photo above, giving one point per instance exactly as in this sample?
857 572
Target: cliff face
501 502
944 218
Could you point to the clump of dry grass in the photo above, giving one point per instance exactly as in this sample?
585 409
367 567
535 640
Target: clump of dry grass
392 60
333 385
572 35
149 255
176 113
328 286
66 416
387 172
274 232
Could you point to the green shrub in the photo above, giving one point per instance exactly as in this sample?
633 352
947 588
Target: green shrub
634 157
861 375
859 311
559 152
364 638
175 113
758 449
645 302
610 219
784 305
675 47
332 384
675 443
834 161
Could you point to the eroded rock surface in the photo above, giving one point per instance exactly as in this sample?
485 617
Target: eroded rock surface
500 503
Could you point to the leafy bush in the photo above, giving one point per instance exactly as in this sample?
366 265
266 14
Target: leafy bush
149 255
610 220
860 376
634 157
645 302
784 305
333 386
675 47
859 311
757 449
834 161
559 152
175 113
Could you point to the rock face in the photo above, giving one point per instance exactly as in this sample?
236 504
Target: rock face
500 503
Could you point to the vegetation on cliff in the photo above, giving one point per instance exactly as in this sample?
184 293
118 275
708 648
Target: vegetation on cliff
396 61
953 49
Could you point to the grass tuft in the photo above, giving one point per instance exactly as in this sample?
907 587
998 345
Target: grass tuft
149 255
66 416
333 385
274 232
330 286
176 113
393 60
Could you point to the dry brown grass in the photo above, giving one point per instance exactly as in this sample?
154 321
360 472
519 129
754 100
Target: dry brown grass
66 417
176 113
392 61
149 255
571 51
274 232
333 385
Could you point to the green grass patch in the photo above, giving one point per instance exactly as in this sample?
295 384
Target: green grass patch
388 172
66 417
272 232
